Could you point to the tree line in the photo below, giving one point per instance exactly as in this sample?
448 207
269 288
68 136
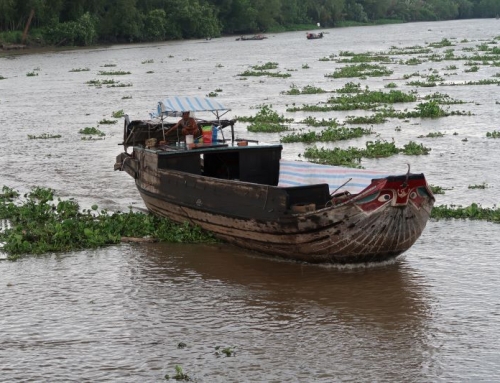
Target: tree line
86 22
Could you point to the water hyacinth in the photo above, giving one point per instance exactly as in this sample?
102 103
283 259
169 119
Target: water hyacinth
38 224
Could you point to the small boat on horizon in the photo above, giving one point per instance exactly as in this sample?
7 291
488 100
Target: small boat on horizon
254 37
246 194
313 36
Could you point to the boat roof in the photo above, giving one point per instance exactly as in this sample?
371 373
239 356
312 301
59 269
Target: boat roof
174 106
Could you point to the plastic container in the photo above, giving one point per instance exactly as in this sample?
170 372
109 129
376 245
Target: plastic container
214 133
207 134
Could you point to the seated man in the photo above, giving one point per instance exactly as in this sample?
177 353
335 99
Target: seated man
187 124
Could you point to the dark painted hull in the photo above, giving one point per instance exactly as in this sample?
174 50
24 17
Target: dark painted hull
378 224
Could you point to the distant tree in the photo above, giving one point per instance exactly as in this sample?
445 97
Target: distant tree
238 16
444 9
121 21
155 25
355 11
7 15
465 9
294 12
82 32
488 8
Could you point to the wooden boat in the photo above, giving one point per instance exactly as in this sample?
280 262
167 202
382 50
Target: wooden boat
246 194
254 37
312 36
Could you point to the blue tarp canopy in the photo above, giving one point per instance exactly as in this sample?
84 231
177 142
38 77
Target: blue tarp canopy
174 106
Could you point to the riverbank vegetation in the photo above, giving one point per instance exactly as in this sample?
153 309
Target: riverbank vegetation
81 23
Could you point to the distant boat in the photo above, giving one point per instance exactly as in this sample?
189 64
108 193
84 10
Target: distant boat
246 194
254 37
312 36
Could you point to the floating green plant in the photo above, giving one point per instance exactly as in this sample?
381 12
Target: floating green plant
432 135
119 85
308 89
437 189
350 87
313 108
411 61
39 225
266 121
91 131
118 114
3 78
227 351
473 68
442 99
368 99
414 149
493 134
114 73
443 43
362 57
109 65
412 50
478 82
341 157
249 73
266 127
361 70
44 136
266 66
107 122
150 61
31 74
266 114
329 134
473 212
212 94
484 185
179 375
80 70
351 156
99 83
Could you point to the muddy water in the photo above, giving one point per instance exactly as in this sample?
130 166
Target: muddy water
119 314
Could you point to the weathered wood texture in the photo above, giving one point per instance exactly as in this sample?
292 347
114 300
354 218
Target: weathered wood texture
377 224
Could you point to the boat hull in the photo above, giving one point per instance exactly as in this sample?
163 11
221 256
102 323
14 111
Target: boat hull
377 224
342 235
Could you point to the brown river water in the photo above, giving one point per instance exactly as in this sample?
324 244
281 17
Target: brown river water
119 314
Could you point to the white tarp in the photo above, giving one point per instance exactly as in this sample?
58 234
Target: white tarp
174 106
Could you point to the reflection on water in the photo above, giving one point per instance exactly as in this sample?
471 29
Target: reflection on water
102 314
382 295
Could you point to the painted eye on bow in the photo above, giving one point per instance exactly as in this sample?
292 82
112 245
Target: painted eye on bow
413 195
384 198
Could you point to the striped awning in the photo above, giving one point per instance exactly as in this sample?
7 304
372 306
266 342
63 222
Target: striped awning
174 106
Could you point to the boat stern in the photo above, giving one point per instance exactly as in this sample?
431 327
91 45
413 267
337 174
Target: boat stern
126 162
